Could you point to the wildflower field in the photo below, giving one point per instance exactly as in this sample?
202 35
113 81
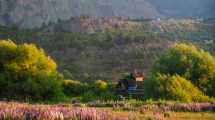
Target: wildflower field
24 111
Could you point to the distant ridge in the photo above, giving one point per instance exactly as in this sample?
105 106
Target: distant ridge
33 13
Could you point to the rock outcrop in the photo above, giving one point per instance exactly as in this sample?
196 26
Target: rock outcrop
32 13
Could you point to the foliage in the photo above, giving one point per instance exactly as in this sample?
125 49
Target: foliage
103 90
189 62
74 88
89 96
101 85
107 95
173 88
99 90
26 73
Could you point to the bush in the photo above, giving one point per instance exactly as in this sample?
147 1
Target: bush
74 88
173 87
89 96
190 62
26 73
42 87
100 85
107 95
104 90
93 96
99 90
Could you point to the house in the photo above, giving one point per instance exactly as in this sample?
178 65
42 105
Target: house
129 85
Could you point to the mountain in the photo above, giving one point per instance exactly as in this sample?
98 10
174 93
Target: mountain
33 13
182 8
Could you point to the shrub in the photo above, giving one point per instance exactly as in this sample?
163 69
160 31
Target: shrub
41 87
27 73
173 87
74 88
107 95
101 85
190 62
93 96
104 90
89 96
99 90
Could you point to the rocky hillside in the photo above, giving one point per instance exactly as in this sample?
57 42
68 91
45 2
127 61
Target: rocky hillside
181 8
107 48
31 13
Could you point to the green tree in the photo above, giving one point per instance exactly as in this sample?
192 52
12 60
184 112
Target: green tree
189 62
27 73
173 88
74 88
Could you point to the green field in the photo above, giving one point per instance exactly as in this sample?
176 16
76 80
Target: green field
173 115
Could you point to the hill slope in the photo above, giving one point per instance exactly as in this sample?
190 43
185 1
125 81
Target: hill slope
31 13
106 48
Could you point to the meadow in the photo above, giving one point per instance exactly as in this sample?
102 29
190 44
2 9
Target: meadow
180 86
176 111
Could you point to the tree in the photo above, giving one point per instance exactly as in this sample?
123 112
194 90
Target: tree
191 63
27 73
173 88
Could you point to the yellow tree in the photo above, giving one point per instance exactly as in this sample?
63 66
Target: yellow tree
27 73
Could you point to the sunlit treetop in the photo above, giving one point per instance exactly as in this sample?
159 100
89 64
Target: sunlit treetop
190 62
25 58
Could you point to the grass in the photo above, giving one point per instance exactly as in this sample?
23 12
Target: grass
169 116
193 116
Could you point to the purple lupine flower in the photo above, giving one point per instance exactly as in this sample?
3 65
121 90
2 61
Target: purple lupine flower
20 111
193 107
